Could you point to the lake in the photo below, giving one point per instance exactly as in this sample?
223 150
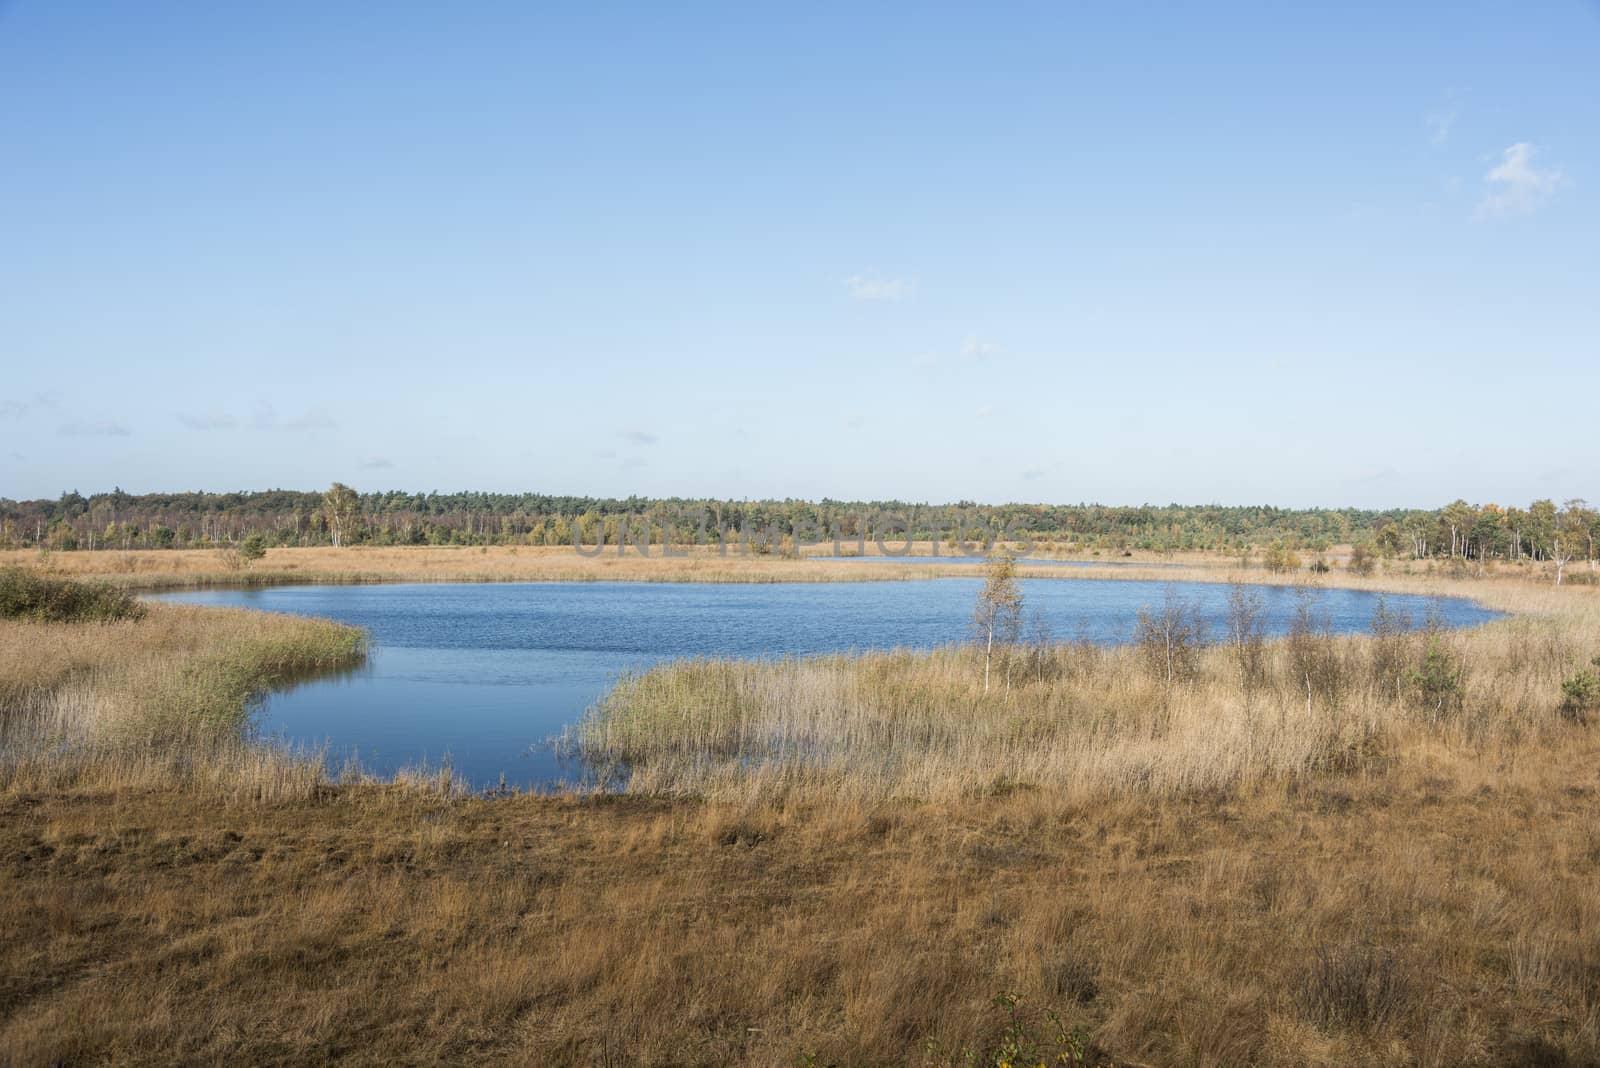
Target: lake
485 674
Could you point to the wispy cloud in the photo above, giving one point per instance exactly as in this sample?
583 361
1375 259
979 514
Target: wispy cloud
1514 186
873 288
984 411
638 437
16 409
1439 126
267 418
1440 123
315 419
207 420
86 428
377 463
978 349
1441 119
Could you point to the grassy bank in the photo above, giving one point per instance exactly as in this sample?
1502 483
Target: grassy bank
156 697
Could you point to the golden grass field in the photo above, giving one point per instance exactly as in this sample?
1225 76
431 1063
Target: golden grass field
163 569
1089 867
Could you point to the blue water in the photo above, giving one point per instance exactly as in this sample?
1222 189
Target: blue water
485 674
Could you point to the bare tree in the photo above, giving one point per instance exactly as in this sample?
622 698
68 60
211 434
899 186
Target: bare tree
1171 638
1247 633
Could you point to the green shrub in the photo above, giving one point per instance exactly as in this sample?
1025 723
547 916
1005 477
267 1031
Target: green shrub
1437 681
29 595
1279 558
253 548
1580 695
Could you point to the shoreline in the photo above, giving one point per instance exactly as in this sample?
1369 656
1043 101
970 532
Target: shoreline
180 570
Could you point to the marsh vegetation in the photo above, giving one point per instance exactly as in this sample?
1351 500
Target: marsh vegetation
1181 708
1382 850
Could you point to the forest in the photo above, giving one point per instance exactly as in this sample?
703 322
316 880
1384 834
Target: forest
1543 530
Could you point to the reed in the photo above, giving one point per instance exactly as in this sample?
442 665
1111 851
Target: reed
158 700
1082 720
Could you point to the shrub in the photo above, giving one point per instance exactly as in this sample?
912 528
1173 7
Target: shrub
1171 640
253 548
1437 680
1315 667
1361 561
1391 648
1580 695
29 595
1280 558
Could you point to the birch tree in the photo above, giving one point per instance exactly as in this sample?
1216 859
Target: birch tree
340 506
997 618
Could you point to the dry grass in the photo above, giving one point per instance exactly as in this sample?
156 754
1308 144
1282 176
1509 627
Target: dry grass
1082 720
1436 902
179 568
190 568
156 700
1446 912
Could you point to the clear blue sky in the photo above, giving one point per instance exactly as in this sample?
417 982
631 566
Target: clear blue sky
1299 254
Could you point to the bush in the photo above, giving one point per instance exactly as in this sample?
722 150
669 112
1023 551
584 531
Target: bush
253 548
1279 558
1437 680
1171 639
1361 561
1580 695
28 595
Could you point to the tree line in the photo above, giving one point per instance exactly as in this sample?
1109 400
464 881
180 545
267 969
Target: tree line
117 520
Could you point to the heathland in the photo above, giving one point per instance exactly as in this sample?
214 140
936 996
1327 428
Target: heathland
227 567
1318 850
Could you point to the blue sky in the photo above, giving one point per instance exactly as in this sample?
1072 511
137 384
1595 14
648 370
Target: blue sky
1127 252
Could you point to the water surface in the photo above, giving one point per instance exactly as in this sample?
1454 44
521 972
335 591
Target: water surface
484 674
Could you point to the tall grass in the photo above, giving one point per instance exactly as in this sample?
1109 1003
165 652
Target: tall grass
1080 718
157 700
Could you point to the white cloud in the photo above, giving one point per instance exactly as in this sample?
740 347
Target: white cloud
267 418
866 287
80 428
15 409
207 420
1515 186
315 419
1439 126
639 437
978 349
377 463
984 411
